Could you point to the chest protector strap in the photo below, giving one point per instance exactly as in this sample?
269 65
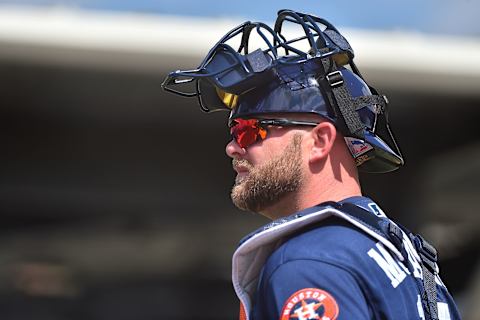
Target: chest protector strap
427 253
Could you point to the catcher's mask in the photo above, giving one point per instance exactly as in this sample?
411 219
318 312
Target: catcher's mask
310 73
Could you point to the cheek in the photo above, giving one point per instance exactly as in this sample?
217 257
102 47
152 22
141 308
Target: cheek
258 154
254 156
265 151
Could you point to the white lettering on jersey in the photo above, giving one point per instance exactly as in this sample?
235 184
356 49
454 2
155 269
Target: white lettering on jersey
443 311
386 262
421 314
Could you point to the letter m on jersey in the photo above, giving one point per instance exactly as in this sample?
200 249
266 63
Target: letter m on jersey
395 271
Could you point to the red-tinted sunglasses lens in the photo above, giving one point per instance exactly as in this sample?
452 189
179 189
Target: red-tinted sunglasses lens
247 132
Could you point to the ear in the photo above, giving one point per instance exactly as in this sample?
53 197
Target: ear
323 136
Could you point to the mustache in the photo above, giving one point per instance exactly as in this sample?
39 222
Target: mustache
241 163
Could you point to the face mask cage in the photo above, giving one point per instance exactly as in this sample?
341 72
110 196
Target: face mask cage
232 75
239 70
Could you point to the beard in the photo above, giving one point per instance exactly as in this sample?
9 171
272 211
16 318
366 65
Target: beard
268 183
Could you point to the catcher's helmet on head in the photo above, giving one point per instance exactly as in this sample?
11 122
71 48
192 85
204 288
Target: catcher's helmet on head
284 77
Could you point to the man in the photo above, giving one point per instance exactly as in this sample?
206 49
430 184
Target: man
303 121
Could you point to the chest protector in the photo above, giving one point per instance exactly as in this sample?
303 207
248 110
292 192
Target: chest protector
255 249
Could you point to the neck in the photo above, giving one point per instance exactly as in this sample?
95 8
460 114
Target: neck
330 190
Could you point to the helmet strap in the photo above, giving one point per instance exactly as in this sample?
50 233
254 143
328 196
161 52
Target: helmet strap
342 100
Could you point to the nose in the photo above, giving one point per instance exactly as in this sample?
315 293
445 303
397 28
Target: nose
233 150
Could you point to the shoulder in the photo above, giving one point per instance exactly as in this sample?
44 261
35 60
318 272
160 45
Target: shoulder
333 241
319 260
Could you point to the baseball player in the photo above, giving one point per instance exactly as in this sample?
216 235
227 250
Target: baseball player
303 123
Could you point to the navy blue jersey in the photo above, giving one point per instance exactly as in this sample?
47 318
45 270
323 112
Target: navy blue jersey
327 267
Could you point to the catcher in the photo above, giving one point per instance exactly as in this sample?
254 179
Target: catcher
303 122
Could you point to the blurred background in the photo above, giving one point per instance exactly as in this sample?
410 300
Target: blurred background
114 195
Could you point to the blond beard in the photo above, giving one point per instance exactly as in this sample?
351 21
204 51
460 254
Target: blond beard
268 183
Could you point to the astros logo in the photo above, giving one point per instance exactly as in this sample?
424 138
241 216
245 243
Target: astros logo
310 304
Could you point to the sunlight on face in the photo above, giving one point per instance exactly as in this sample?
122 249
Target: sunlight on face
266 184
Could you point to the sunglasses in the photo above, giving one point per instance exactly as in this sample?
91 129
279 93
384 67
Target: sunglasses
246 132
